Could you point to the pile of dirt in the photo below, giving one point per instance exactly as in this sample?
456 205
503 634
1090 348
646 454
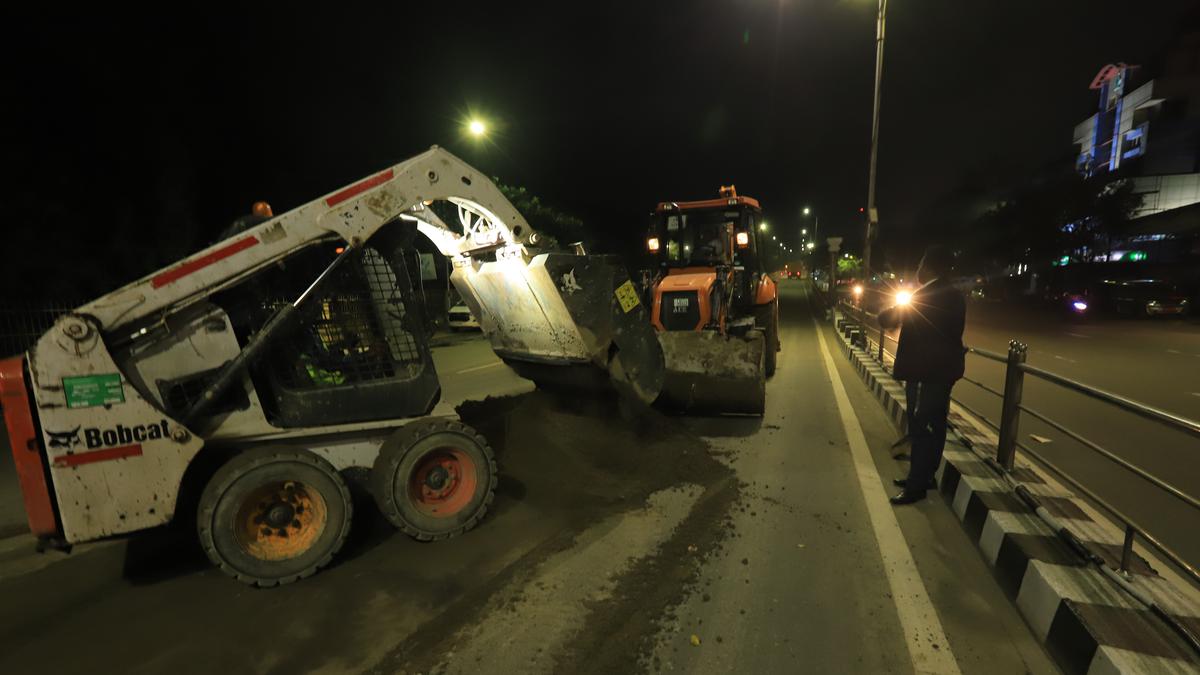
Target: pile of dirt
580 460
588 455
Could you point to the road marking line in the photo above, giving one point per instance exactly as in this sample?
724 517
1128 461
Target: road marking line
1195 393
486 365
1080 335
1174 351
1063 358
918 618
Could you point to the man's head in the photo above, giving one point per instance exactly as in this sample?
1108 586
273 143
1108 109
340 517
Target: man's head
935 264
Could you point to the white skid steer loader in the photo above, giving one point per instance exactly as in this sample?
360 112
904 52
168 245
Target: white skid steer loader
238 384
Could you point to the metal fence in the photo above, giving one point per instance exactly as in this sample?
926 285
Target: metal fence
22 323
868 335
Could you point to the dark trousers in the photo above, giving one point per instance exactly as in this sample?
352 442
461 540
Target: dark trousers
911 392
928 433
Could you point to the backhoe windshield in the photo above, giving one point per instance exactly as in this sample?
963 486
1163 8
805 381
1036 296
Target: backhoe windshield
699 237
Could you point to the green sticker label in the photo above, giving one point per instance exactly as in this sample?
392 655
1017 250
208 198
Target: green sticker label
92 390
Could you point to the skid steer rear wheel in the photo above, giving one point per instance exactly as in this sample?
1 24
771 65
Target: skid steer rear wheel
273 516
434 479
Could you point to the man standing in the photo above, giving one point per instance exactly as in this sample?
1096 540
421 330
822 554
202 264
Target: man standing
930 359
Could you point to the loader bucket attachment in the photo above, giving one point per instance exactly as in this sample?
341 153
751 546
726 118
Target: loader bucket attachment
565 321
710 373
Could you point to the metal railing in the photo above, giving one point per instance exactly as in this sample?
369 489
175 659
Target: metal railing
1010 418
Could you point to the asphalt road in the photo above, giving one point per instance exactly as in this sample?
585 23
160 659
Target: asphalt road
617 543
1156 362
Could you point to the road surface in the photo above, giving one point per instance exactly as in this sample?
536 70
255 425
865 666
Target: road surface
1156 362
617 543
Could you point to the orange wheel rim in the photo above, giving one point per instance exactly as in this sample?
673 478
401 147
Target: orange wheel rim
280 520
443 482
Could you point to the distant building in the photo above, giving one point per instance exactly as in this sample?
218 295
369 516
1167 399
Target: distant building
1147 129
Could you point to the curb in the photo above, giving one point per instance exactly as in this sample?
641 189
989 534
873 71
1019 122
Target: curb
1086 622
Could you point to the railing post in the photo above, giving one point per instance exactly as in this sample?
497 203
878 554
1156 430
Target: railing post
881 339
1127 549
1010 415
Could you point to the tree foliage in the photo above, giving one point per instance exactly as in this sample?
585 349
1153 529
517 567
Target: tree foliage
560 227
1069 216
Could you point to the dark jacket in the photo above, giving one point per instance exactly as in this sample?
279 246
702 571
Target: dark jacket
931 329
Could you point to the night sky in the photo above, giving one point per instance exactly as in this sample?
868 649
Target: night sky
134 138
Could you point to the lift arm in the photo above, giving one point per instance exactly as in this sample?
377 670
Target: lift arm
352 213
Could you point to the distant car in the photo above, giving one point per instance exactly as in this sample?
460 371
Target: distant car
460 318
1148 297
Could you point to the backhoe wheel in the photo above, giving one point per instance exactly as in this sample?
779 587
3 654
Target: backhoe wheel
772 335
434 479
272 516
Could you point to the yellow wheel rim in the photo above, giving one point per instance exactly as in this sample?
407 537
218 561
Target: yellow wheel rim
280 520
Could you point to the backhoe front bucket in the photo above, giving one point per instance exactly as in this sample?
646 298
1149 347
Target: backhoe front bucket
567 321
707 372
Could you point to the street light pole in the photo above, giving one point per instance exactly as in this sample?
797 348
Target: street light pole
872 212
816 224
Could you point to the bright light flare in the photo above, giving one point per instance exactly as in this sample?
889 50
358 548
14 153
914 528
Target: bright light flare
903 298
477 128
652 244
743 239
1080 306
858 290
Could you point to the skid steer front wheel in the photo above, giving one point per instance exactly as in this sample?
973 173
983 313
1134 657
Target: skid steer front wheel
274 516
434 479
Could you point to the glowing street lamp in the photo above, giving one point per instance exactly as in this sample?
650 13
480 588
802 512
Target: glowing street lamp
477 128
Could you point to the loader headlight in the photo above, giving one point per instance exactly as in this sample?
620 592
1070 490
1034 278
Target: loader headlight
903 297
652 244
743 239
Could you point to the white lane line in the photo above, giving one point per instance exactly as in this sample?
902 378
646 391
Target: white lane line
1195 393
486 365
1080 335
918 619
1063 358
1174 351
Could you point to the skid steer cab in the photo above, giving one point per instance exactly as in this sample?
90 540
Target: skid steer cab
714 307
237 386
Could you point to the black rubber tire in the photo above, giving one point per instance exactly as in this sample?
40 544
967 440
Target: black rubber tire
772 335
238 479
400 456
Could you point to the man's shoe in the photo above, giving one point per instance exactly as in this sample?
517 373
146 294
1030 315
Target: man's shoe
901 482
907 497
